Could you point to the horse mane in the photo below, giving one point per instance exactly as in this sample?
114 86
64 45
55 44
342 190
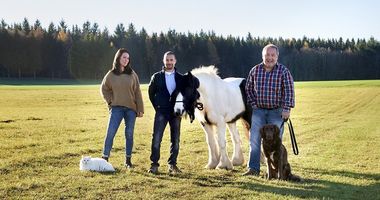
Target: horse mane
209 70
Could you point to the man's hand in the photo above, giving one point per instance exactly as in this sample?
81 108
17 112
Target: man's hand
140 114
285 115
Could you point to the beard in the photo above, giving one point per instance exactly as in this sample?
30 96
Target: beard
270 64
169 66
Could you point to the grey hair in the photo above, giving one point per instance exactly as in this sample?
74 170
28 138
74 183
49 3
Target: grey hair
270 46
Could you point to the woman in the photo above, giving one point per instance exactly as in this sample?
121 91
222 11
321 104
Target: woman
120 89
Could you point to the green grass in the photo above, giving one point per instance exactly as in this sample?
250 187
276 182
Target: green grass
45 129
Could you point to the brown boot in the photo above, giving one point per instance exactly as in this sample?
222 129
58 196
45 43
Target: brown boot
153 169
105 158
251 172
128 163
173 169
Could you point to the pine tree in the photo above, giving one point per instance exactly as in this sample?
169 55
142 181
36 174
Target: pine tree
26 26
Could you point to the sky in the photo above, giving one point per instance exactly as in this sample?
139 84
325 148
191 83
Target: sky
274 18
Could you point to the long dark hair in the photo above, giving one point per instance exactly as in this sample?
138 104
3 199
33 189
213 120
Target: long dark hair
116 63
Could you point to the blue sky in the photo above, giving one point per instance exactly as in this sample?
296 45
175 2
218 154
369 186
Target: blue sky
273 18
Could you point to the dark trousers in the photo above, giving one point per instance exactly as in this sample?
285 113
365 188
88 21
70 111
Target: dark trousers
160 122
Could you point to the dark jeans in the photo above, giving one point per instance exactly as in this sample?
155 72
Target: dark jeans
160 122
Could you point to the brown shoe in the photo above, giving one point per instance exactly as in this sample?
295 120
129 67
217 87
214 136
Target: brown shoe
173 169
128 163
105 158
251 172
153 169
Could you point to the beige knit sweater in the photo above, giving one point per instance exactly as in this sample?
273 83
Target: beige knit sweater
122 90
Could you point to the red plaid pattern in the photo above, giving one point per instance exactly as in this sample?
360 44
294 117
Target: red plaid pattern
272 89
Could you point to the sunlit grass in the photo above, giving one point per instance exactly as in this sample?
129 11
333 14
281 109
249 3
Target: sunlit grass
44 130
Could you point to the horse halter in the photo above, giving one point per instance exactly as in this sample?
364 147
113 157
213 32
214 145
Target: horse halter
197 105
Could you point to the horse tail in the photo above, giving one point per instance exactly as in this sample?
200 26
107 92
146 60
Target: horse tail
247 115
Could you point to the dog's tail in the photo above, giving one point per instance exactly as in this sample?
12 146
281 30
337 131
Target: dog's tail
294 178
289 175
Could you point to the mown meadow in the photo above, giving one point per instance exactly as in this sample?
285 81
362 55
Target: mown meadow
45 129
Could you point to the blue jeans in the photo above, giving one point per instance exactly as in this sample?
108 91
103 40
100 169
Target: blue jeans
260 117
117 113
160 122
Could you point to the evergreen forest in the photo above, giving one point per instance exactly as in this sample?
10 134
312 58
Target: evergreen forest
27 50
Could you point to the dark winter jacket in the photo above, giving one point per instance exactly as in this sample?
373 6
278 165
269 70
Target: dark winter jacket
159 95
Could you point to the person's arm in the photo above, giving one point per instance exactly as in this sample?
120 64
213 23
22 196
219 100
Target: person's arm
288 91
106 90
152 90
139 99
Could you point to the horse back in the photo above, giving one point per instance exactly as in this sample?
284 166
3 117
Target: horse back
246 114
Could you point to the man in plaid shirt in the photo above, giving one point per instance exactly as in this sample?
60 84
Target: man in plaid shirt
270 92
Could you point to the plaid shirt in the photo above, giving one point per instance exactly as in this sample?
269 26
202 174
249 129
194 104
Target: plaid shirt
272 89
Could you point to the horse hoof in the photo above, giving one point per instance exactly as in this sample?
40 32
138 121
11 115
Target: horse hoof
210 166
226 167
237 162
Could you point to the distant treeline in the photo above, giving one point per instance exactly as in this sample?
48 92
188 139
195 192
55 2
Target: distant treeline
59 52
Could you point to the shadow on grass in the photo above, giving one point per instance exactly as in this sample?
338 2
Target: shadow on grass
365 186
322 188
331 184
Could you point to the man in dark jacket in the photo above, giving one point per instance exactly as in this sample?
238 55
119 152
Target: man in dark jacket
161 89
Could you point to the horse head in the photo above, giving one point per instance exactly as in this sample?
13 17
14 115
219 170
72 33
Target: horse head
186 100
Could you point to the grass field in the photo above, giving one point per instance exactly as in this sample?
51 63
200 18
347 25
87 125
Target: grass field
45 129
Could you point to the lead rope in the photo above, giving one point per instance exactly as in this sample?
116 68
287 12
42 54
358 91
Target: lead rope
292 135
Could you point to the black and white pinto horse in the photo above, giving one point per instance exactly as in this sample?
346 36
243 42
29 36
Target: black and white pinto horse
215 103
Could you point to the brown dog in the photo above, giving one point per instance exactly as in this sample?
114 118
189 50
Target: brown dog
275 154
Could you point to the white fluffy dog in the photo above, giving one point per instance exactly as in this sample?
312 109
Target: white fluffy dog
95 164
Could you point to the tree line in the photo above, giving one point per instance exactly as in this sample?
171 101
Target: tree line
86 52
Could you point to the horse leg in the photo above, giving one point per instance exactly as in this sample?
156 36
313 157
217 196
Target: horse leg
213 154
237 156
224 162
